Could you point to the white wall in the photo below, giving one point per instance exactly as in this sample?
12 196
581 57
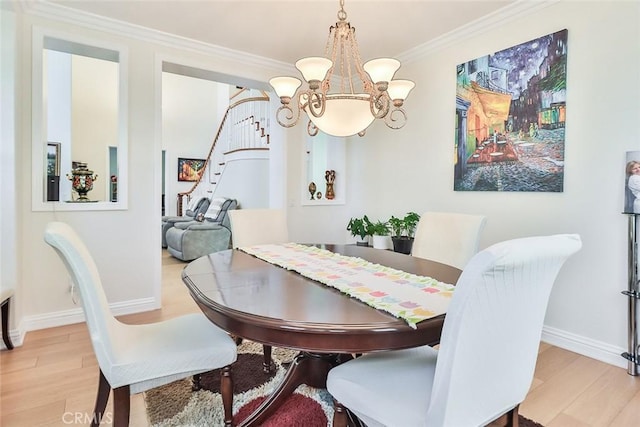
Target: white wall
389 172
412 169
125 244
190 119
9 220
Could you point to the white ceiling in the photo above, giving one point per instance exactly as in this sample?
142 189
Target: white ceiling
291 29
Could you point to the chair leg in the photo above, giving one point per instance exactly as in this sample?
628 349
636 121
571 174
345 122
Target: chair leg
121 406
267 364
196 383
226 390
339 414
512 417
104 388
5 324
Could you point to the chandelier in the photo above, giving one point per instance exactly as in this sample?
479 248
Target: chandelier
361 93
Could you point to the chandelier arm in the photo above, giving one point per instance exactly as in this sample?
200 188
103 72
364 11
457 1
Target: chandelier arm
312 129
316 103
379 105
287 117
396 118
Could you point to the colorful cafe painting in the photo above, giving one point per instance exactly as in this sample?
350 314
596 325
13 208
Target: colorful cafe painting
510 118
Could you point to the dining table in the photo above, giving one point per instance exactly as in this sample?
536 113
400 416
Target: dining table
260 301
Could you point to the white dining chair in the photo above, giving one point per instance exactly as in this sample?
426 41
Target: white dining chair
488 350
135 358
251 227
448 237
258 226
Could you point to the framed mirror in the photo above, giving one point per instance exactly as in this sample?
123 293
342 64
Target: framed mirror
79 123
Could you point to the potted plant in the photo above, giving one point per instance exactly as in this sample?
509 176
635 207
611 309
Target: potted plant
403 230
360 227
380 235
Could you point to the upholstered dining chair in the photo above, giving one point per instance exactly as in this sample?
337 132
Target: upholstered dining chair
135 358
488 350
448 237
256 227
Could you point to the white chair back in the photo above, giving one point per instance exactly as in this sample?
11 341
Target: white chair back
84 273
258 226
449 238
492 330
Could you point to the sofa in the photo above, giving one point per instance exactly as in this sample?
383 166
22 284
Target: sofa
188 240
196 206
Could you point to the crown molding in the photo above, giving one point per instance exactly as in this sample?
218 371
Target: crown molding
518 9
44 9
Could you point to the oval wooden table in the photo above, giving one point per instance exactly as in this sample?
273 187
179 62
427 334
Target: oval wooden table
253 299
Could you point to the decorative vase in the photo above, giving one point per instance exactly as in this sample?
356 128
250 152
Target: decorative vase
82 181
330 177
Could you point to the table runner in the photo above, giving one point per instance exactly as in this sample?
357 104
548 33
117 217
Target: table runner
406 296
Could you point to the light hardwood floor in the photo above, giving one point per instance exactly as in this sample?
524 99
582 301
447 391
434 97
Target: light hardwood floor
52 379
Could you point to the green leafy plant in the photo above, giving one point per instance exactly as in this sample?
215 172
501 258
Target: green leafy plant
380 228
404 227
360 227
410 223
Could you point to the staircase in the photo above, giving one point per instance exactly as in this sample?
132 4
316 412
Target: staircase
245 126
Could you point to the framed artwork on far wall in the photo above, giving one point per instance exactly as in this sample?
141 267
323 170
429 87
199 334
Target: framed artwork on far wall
190 169
53 159
510 118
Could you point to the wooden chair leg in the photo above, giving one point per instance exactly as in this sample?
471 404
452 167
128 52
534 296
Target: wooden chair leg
226 391
196 383
104 388
512 417
267 364
121 406
339 414
5 324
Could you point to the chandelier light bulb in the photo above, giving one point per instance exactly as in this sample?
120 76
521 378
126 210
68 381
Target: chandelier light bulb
381 70
285 87
314 68
398 90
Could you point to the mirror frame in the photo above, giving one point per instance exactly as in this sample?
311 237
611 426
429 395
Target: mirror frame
39 132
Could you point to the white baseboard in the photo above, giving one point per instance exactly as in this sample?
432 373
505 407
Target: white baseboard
588 347
75 315
598 350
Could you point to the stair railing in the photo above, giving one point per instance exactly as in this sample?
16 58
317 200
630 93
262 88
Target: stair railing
245 125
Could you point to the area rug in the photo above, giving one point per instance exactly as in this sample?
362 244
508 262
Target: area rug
176 404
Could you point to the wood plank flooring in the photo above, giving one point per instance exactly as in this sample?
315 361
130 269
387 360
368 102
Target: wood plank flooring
52 379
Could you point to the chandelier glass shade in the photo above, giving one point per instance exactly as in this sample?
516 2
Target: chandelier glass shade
343 96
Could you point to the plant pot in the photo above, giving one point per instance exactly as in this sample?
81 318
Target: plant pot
382 242
402 244
362 243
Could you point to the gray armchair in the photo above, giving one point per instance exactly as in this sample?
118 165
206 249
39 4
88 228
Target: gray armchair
188 240
195 207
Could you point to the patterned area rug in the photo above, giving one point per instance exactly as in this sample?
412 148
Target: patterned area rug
176 405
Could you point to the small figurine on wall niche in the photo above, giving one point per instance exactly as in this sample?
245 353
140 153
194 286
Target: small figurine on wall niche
318 195
312 189
330 177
